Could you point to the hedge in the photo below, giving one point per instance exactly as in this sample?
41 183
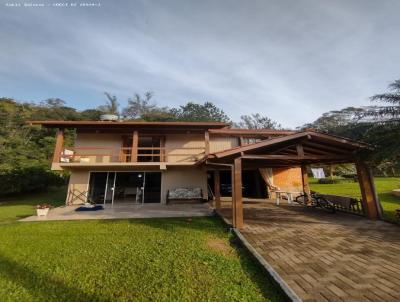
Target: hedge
28 179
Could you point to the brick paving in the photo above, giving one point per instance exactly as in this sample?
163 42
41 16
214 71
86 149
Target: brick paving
323 256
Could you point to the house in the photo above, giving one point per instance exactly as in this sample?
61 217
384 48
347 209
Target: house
130 161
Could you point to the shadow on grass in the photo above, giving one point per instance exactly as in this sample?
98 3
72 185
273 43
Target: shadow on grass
215 225
207 223
40 285
257 273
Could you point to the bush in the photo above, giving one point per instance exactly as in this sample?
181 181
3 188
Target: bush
29 179
333 180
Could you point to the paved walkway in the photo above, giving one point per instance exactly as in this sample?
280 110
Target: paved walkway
123 211
323 256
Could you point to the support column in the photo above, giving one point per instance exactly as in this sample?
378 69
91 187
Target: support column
135 143
370 202
217 189
237 189
59 146
304 177
162 150
207 143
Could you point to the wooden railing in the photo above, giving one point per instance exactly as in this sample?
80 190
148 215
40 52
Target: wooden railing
95 155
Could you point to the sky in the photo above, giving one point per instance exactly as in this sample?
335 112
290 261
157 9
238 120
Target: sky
290 60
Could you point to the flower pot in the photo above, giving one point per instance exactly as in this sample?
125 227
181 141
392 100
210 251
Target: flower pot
42 212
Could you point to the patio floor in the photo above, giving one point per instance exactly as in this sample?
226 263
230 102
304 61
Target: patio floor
323 256
123 211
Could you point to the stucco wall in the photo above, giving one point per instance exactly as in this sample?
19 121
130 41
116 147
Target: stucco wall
175 142
288 178
96 140
183 178
78 181
220 143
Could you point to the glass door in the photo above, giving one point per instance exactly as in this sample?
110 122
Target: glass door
110 187
129 187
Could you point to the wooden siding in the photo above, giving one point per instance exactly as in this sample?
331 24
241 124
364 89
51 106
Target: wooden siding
221 143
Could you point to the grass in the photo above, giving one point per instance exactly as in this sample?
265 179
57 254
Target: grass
123 260
384 185
16 207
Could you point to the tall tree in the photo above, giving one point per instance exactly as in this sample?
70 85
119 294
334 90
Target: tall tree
257 121
111 106
391 112
207 112
138 106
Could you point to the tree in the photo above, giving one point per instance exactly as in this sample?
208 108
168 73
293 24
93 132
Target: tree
389 113
53 103
207 112
111 106
257 121
138 106
336 120
91 114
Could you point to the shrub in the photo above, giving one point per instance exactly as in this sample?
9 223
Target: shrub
28 179
333 180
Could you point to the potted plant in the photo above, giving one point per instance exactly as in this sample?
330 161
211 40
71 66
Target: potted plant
43 209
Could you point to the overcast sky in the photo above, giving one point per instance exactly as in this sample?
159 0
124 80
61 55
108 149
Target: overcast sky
291 60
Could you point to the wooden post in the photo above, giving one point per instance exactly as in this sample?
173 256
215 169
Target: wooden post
217 189
233 196
238 200
59 146
370 202
162 150
304 177
135 143
207 143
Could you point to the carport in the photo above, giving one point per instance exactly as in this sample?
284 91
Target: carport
295 150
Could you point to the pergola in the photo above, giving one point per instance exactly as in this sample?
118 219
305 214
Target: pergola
294 150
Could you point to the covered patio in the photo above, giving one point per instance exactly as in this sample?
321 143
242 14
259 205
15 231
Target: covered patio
295 150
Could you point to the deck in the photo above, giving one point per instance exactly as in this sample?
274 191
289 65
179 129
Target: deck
323 256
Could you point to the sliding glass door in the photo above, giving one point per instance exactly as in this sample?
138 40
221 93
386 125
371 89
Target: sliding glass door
125 187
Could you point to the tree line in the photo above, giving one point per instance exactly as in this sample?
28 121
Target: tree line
26 151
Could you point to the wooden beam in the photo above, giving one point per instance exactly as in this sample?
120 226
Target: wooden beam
238 200
207 142
328 148
300 151
304 178
295 157
135 143
370 200
262 144
59 146
217 189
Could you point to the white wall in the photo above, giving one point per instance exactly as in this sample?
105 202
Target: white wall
183 178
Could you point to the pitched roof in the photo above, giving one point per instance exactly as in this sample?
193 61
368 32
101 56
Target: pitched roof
125 124
261 132
321 138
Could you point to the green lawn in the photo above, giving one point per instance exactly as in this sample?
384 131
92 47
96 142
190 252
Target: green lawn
123 260
383 185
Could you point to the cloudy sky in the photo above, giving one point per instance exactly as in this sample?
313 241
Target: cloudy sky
288 59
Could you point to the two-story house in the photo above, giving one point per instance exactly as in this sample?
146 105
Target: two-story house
114 162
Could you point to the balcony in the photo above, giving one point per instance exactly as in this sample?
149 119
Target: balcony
141 155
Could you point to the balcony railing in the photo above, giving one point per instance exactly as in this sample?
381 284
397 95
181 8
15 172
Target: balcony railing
93 155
